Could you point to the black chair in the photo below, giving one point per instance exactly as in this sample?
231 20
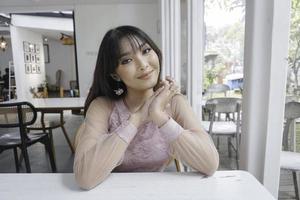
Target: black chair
14 135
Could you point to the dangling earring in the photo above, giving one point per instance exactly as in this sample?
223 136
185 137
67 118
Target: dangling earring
118 91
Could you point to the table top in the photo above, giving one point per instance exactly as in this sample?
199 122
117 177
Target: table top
229 185
66 103
54 103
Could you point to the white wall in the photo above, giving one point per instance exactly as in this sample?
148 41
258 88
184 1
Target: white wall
61 57
5 56
93 21
25 81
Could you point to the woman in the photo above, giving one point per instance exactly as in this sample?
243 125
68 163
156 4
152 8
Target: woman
133 121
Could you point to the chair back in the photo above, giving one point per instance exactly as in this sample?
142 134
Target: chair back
218 88
58 77
73 84
17 115
217 106
224 105
291 98
291 112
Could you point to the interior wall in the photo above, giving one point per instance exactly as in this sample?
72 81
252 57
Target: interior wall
25 81
93 21
5 56
60 57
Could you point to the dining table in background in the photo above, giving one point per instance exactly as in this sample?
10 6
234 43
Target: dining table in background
55 105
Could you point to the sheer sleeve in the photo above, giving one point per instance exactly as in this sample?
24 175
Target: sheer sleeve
188 141
99 151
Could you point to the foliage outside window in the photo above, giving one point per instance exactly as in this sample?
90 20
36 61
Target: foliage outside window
224 39
293 86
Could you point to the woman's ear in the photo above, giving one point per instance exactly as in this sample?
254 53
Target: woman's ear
115 77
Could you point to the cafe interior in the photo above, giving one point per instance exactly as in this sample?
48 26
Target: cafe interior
48 51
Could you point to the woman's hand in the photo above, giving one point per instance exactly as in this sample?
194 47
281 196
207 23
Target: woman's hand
158 104
142 114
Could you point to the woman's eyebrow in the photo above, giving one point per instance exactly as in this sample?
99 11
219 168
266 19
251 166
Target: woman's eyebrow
142 45
129 52
124 54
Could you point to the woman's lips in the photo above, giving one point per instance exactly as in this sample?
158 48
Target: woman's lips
145 75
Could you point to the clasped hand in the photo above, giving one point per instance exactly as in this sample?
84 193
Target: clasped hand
153 108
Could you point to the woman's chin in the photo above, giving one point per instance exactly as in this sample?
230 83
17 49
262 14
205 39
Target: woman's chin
147 86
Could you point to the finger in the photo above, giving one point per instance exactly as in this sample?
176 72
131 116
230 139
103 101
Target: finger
170 79
166 90
174 88
164 94
164 85
155 94
158 91
160 84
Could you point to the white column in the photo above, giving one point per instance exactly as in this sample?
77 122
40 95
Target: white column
266 48
164 37
170 31
195 52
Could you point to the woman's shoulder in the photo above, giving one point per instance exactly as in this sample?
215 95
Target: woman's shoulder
178 102
104 101
178 98
101 103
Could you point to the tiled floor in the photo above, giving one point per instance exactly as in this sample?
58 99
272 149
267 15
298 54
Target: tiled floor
64 158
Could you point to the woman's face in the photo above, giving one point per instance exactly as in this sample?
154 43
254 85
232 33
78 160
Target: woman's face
138 69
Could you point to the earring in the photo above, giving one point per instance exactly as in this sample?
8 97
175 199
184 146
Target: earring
119 91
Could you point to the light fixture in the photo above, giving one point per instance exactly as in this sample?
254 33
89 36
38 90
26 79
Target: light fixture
3 43
66 39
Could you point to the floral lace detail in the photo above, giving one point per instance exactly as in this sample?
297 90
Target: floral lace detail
148 151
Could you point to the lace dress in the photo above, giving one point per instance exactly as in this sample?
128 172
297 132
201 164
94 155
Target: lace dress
148 151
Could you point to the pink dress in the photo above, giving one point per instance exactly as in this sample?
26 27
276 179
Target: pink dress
148 150
107 141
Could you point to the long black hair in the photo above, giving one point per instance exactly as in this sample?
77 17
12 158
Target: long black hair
108 61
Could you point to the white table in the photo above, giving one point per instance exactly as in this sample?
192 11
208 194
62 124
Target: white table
58 103
231 185
42 104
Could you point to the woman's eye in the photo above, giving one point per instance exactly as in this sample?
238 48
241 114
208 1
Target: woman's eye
145 51
125 61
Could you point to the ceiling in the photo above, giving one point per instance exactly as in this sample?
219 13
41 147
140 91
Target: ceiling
55 35
26 3
50 34
25 6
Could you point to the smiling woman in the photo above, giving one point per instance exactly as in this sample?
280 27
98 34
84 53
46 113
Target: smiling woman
134 122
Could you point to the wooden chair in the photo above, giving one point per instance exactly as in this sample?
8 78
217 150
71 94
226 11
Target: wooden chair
48 126
231 128
14 135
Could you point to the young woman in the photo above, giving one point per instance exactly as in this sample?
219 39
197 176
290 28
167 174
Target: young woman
133 121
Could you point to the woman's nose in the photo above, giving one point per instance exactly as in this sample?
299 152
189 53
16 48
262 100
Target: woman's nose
142 64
